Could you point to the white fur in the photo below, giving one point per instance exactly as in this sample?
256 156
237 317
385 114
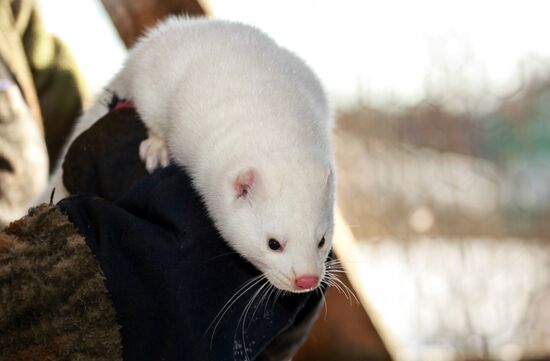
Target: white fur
225 98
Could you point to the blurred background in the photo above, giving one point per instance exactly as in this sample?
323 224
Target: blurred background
443 154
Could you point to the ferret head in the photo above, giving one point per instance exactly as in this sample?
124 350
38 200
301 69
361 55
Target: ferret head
281 220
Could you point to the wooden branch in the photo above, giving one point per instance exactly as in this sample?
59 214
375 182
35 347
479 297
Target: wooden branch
132 17
348 251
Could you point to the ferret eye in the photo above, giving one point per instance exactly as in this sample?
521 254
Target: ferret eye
321 242
274 244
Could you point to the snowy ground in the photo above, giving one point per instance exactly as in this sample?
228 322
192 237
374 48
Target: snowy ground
445 299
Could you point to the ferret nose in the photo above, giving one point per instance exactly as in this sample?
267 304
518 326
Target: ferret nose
306 282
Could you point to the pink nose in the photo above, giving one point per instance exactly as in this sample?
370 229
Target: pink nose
306 282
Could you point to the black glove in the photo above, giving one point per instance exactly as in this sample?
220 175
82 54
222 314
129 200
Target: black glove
168 271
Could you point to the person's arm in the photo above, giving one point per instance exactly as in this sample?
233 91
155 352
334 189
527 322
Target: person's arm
53 301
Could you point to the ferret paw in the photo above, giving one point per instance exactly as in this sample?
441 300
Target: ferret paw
154 153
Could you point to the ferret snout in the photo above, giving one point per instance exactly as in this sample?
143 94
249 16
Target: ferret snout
304 283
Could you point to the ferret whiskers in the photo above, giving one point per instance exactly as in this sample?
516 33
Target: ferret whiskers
333 269
222 255
320 290
225 308
266 293
259 293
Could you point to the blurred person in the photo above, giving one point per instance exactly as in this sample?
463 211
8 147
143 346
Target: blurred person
41 95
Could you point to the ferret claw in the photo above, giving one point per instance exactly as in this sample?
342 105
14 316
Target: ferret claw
154 153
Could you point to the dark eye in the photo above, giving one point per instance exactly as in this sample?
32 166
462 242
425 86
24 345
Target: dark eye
321 242
274 244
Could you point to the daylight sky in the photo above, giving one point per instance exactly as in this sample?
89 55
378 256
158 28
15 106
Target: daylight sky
382 51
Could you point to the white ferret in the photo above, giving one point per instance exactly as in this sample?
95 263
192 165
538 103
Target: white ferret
250 122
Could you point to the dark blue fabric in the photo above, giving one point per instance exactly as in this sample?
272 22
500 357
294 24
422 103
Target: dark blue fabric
169 273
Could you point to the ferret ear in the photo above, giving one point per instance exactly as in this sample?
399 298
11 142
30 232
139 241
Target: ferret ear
244 182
